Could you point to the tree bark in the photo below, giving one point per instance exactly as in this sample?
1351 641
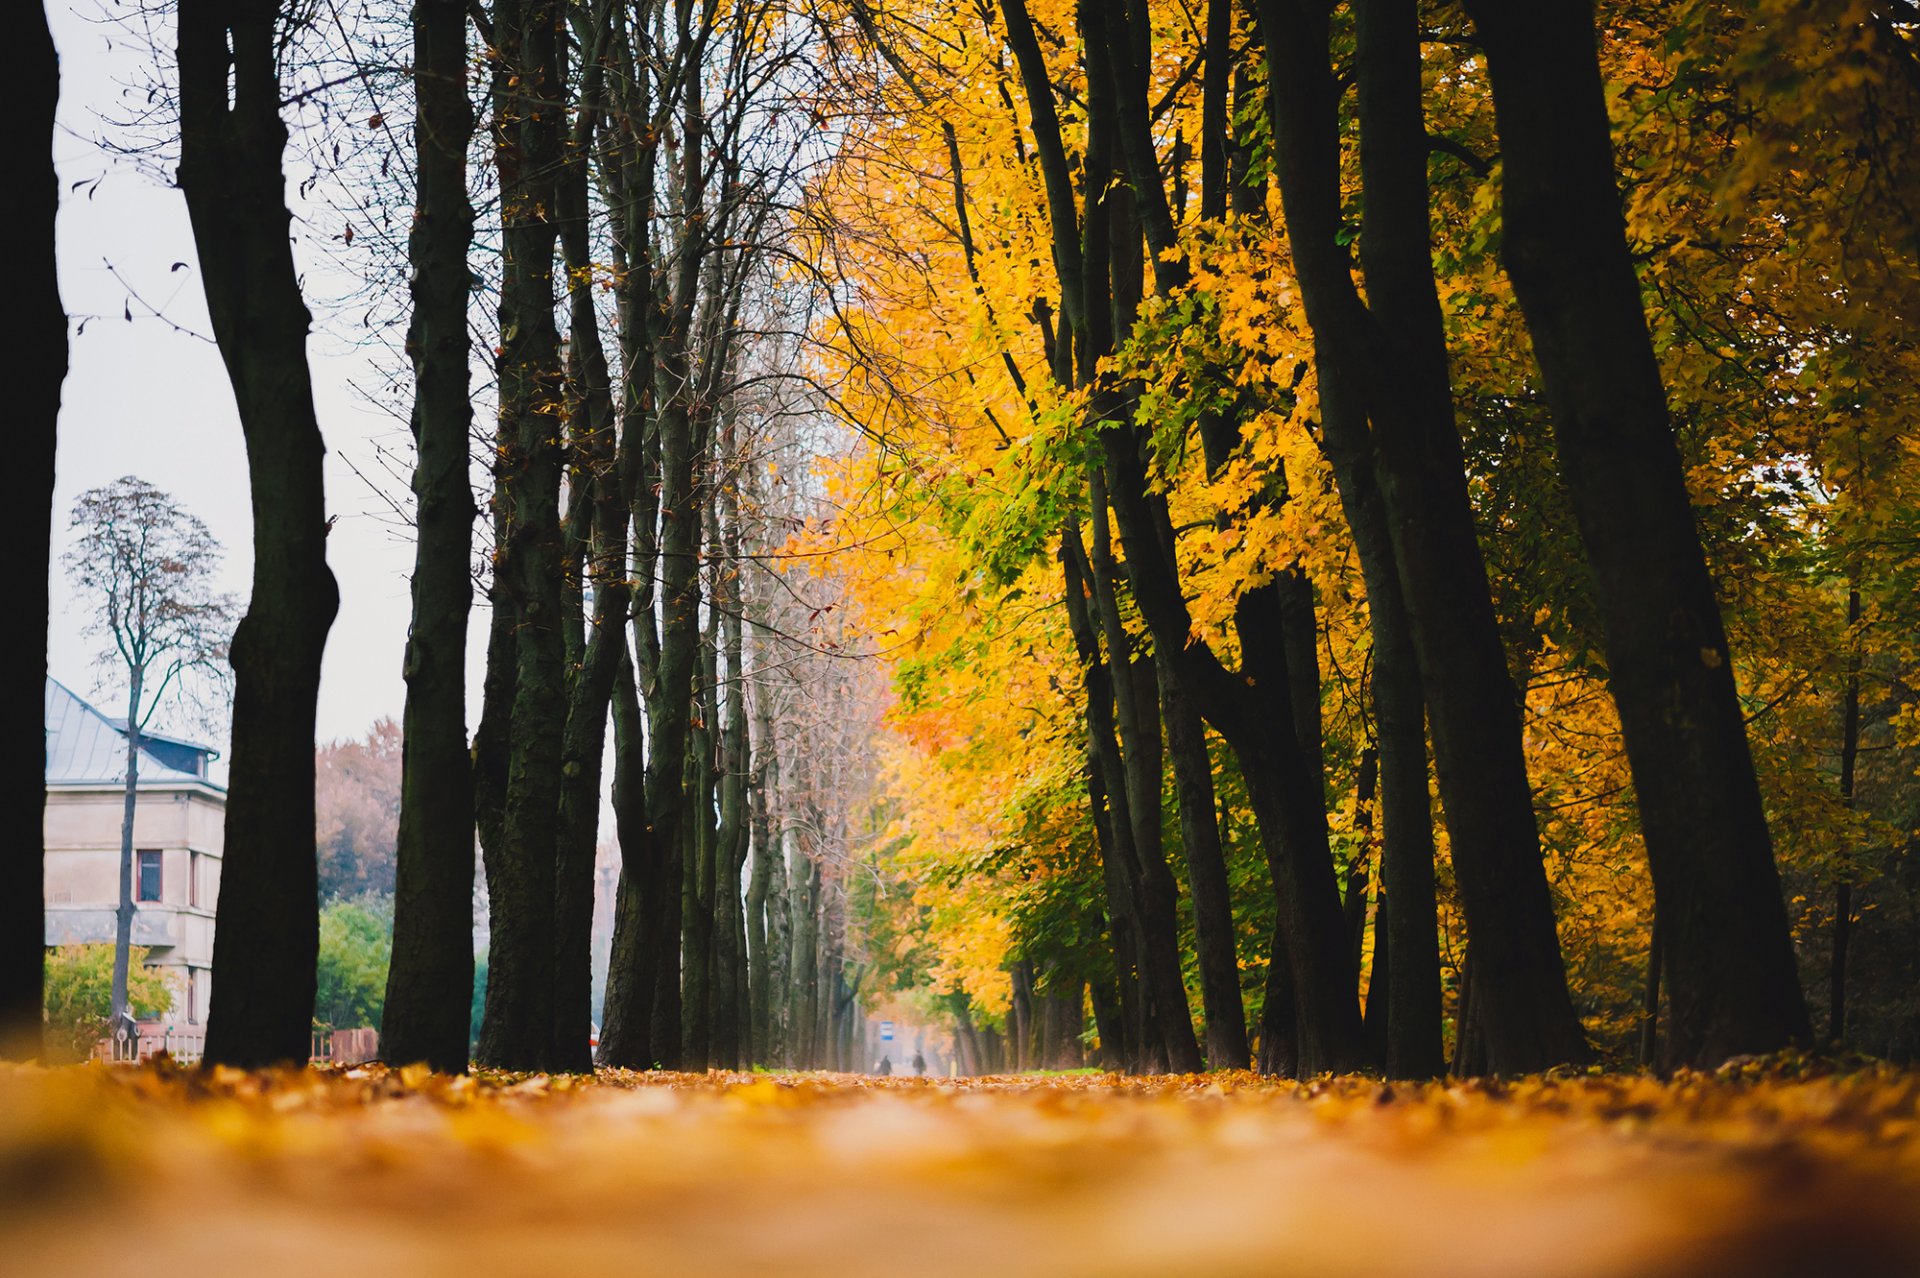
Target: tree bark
517 1029
1389 364
1843 890
625 1024
430 977
1113 822
1732 983
1206 880
1288 798
761 797
596 543
232 143
120 1016
735 766
42 348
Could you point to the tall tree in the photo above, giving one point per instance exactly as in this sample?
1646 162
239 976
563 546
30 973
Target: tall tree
144 565
44 365
232 143
596 553
1383 361
431 975
524 715
1733 987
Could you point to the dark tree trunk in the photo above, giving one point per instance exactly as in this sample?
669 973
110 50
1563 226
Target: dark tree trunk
1354 900
1379 1009
1137 717
1287 796
734 768
698 912
1206 879
1279 1043
596 551
1113 823
1732 984
231 147
1390 364
1020 1018
1843 891
779 956
430 978
1650 1003
806 973
41 346
633 978
625 1038
516 1031
764 850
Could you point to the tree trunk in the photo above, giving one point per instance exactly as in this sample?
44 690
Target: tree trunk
1843 891
1287 796
596 543
43 364
1732 983
430 977
1391 366
764 851
1206 879
1650 1002
232 143
1137 716
120 1016
735 768
517 1029
806 976
626 1010
1113 823
699 874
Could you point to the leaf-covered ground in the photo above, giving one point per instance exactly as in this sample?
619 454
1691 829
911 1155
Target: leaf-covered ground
370 1171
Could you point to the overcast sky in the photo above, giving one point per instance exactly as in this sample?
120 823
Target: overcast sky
144 399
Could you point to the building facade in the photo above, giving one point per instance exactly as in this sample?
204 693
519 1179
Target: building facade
178 826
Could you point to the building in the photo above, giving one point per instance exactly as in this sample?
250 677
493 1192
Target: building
178 827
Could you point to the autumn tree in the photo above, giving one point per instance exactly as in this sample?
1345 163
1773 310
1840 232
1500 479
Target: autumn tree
1734 988
143 567
358 802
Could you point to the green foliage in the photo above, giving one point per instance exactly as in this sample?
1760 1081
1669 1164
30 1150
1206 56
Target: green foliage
479 1007
78 993
356 942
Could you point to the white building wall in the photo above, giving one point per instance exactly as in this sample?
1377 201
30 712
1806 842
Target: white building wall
186 825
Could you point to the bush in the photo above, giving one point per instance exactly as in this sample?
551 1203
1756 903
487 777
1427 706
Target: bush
78 990
356 942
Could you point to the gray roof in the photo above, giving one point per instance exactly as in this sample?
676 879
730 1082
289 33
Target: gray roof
85 747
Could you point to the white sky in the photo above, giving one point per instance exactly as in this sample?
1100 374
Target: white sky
144 399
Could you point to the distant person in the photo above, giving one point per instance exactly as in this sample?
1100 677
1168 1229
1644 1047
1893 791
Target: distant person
919 1065
886 1066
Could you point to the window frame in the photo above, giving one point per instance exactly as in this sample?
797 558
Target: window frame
140 863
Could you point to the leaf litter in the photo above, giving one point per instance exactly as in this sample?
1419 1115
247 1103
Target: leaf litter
1764 1168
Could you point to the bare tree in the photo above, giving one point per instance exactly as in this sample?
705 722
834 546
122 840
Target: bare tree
146 565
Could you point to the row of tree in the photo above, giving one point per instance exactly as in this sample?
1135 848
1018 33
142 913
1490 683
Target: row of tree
1325 348
639 162
1269 389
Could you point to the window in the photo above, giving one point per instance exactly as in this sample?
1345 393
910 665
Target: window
193 996
193 878
149 885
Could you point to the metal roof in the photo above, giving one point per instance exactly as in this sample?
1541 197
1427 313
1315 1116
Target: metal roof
85 747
